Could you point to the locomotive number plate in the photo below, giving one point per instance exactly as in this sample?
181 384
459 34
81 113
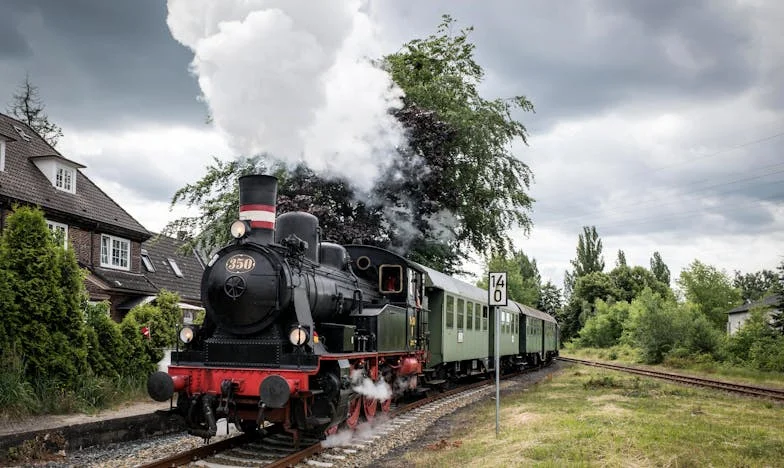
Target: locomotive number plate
240 263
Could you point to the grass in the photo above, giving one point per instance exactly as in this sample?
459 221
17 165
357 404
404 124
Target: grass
592 417
697 367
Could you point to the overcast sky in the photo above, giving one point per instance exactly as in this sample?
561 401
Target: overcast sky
662 123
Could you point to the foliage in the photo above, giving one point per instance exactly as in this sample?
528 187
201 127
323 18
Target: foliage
28 107
161 319
710 290
754 329
605 328
630 281
660 269
621 260
655 326
50 333
106 353
217 197
480 180
522 279
777 320
589 258
754 286
550 299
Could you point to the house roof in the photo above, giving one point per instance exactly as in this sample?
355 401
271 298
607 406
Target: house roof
770 301
22 181
125 281
161 248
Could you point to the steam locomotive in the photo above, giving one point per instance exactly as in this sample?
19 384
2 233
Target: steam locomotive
313 335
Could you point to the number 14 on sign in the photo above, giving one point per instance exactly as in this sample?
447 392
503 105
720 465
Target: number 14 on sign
497 289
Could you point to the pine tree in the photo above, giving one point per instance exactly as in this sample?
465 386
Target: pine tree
28 107
777 321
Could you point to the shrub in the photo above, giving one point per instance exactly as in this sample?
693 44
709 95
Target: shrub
604 329
655 326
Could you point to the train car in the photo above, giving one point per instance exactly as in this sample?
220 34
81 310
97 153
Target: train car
538 337
462 333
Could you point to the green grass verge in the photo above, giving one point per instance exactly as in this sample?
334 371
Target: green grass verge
704 367
592 417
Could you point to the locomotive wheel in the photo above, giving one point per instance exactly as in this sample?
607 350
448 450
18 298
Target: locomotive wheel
386 405
354 410
331 430
370 405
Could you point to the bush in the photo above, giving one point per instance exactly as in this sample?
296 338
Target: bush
655 326
604 329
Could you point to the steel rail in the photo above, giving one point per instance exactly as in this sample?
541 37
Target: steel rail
744 389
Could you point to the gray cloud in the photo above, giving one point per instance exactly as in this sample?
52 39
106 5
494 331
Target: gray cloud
98 63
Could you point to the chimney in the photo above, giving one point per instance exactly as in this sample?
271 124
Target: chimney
258 199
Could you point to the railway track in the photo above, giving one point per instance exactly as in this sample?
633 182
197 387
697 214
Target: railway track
749 390
276 448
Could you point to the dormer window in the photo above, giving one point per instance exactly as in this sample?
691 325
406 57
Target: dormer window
64 178
115 252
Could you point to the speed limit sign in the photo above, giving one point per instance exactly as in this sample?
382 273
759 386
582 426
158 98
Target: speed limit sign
497 289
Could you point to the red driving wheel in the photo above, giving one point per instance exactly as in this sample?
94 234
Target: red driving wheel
370 405
354 410
386 405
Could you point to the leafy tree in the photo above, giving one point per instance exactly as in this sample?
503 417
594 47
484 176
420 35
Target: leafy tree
28 107
605 328
777 319
630 281
550 299
589 257
659 269
621 260
755 286
480 180
753 330
523 280
710 290
655 326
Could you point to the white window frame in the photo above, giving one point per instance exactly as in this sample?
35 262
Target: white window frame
53 225
2 155
174 267
147 261
108 258
66 182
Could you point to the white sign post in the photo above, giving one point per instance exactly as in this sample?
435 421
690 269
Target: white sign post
496 296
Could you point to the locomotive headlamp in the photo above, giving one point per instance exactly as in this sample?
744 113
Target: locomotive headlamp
186 335
239 229
298 336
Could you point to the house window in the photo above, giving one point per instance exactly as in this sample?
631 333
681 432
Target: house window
115 252
175 267
60 231
64 178
147 261
2 155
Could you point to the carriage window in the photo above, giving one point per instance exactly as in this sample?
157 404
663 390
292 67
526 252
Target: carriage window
460 312
514 324
469 315
477 317
450 312
484 318
390 279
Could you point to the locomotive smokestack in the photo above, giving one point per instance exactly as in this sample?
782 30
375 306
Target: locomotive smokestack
258 199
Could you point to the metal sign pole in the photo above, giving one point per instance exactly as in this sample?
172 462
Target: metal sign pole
496 296
497 369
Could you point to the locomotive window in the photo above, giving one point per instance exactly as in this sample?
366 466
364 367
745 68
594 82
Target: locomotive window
477 317
460 313
390 279
469 315
450 312
484 318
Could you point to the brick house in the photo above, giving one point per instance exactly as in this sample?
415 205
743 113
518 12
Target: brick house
108 242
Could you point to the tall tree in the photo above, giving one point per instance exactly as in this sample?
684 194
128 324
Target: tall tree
480 181
523 280
778 289
755 286
710 290
28 107
621 261
659 269
550 299
589 257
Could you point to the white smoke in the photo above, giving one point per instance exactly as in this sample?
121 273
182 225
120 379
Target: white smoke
291 78
365 386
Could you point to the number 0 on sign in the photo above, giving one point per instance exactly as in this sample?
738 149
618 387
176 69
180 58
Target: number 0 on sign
497 289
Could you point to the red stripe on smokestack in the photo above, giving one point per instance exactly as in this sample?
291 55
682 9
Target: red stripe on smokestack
252 207
262 224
